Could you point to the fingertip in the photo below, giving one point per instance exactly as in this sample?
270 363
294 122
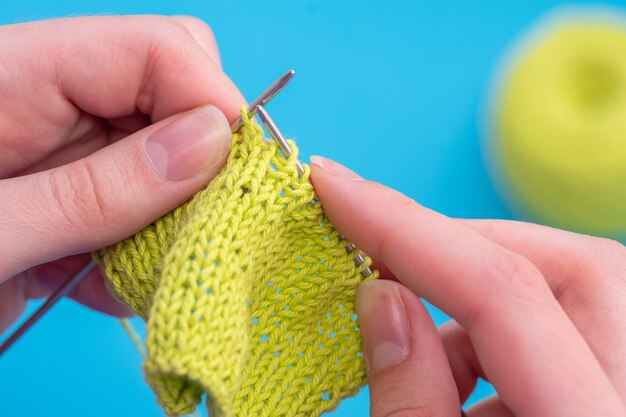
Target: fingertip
384 324
317 170
330 167
419 384
359 208
335 186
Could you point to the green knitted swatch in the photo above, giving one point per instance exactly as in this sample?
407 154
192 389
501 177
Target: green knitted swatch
248 293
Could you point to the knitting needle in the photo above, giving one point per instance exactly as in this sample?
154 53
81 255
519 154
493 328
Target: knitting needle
257 107
60 292
282 143
268 122
265 98
277 135
73 281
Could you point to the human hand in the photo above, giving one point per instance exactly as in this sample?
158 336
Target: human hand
107 123
539 312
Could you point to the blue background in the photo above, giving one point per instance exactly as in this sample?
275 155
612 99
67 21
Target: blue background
393 89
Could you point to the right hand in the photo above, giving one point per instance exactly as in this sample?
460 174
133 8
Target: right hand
539 312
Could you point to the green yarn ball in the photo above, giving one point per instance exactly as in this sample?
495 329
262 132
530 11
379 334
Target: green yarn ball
558 124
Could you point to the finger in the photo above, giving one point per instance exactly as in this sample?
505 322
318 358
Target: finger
491 407
516 325
135 63
92 128
565 258
12 302
462 358
148 64
92 133
203 35
584 274
44 279
110 194
95 135
464 364
587 276
407 370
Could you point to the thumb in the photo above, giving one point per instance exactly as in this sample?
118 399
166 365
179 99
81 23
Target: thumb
112 193
407 368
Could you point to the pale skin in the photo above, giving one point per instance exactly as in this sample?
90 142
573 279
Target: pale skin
539 312
77 104
87 110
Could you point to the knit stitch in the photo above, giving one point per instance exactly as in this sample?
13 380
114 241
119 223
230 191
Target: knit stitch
248 293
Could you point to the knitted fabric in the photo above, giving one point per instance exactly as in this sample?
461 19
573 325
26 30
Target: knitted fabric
248 293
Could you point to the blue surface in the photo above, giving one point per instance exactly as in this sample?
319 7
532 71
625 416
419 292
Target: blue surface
392 89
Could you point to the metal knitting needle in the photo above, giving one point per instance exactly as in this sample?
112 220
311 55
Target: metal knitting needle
282 143
272 128
60 292
257 107
265 98
277 135
75 279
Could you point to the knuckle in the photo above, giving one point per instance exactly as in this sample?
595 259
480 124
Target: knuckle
78 193
192 23
400 201
395 202
612 256
148 27
169 50
164 31
516 272
612 250
512 280
196 28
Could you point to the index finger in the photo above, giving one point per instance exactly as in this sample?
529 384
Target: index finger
528 347
112 66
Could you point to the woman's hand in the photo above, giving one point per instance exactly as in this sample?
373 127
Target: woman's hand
106 124
539 312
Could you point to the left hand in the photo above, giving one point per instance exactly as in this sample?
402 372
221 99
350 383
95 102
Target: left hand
80 100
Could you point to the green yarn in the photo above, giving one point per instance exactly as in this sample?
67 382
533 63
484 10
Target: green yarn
248 293
559 124
134 336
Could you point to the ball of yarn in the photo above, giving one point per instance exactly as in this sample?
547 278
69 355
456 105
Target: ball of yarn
558 124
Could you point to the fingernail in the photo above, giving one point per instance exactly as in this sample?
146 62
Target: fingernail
383 323
334 168
196 142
